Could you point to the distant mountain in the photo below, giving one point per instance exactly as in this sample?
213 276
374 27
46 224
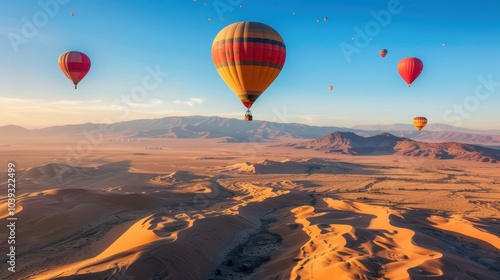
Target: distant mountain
235 130
350 143
432 127
462 137
13 130
386 144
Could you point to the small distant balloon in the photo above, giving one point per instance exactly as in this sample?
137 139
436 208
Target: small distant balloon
72 14
444 44
325 18
330 88
241 6
209 19
383 53
352 38
317 20
294 13
419 122
194 1
205 4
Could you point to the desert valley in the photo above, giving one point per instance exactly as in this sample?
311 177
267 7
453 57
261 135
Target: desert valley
216 198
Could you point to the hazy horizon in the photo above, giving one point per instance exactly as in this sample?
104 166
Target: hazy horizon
290 121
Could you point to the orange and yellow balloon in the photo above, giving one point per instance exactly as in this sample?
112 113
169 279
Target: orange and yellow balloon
75 65
419 122
248 56
330 88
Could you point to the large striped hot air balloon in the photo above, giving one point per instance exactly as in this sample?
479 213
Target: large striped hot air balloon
248 56
75 65
419 122
409 68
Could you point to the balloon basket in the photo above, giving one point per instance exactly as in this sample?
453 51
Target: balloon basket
248 116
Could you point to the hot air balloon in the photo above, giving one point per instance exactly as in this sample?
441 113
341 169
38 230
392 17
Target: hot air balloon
75 65
419 122
383 53
330 88
409 68
325 18
248 56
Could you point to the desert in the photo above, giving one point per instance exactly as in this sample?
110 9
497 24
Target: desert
205 208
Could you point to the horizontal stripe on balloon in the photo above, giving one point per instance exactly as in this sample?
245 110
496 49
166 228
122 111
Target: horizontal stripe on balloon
248 99
217 43
253 63
78 66
248 30
249 52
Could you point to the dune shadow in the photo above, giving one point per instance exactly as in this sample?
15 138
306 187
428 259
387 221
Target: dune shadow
460 246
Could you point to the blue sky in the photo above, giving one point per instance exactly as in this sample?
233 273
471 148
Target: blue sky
458 42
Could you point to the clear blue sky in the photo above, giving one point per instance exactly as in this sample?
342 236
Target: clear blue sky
458 41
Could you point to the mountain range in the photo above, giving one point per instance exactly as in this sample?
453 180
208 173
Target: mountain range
235 130
388 144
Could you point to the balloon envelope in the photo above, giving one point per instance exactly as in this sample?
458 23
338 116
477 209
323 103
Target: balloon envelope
383 53
330 88
75 65
419 122
410 68
248 56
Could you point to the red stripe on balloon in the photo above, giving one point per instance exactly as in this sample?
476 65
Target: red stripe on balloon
248 51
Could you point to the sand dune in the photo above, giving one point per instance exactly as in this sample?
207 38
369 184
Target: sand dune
55 174
281 214
360 241
177 176
323 237
292 166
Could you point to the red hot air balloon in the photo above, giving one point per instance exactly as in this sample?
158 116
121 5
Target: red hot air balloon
409 68
383 53
75 65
